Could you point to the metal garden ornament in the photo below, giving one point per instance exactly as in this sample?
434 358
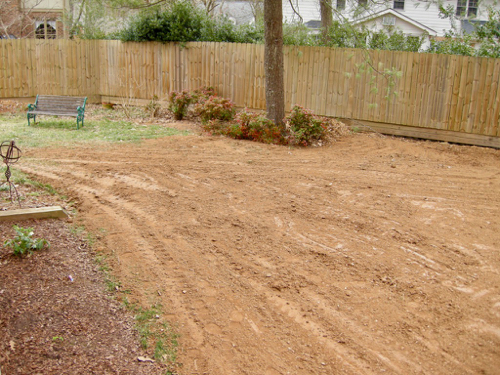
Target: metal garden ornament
10 154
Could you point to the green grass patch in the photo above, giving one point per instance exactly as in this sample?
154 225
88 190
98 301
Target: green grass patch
160 336
20 178
62 132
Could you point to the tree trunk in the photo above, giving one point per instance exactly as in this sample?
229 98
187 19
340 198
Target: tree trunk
325 8
273 61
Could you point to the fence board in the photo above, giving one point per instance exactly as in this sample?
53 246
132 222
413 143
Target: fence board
452 93
494 119
483 107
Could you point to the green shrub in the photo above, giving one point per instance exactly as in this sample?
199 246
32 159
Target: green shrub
395 40
23 243
298 34
453 44
304 128
180 22
344 35
489 34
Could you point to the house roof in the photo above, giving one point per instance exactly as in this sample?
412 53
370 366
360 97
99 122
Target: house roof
313 24
469 26
399 15
240 12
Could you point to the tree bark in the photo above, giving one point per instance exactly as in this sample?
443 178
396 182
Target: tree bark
325 8
273 61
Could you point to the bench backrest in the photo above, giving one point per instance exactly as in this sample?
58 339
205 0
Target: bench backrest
59 104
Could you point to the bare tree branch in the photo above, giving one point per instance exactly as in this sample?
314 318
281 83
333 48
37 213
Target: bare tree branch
294 11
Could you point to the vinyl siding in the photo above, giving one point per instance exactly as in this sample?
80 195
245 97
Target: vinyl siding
425 13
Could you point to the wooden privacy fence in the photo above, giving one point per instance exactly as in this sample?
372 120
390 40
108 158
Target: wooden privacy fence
445 92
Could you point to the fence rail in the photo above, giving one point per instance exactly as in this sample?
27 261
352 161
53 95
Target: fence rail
447 92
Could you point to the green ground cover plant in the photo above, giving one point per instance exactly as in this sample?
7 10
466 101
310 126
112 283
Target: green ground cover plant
23 244
161 336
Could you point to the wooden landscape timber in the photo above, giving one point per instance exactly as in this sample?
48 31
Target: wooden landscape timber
33 213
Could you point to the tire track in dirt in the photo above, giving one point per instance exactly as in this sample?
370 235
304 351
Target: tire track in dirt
367 257
108 202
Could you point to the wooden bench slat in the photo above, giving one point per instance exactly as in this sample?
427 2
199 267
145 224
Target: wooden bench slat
54 105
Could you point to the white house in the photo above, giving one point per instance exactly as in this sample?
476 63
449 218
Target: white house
412 17
239 11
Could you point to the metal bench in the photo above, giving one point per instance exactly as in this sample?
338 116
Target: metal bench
52 105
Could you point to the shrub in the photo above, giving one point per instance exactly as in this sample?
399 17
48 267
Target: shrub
23 243
215 108
453 44
257 127
298 34
202 94
179 103
180 22
218 127
344 35
395 40
303 127
153 107
247 125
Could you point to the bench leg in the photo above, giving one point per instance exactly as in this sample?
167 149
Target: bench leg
31 116
79 120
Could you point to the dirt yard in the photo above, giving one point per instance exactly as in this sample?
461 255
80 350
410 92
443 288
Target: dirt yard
373 255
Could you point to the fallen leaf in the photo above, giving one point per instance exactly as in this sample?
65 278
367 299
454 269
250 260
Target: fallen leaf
145 359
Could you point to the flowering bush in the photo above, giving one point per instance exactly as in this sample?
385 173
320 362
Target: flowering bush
215 108
179 103
247 125
303 127
202 94
257 127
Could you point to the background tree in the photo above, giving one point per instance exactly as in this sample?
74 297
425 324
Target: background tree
273 61
16 20
489 35
257 7
326 13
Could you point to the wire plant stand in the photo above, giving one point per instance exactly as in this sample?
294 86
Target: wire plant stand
10 154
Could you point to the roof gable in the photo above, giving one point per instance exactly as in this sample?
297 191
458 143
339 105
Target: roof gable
403 19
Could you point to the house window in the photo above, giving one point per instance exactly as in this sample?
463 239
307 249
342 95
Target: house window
461 7
340 4
45 30
389 21
466 8
400 4
472 10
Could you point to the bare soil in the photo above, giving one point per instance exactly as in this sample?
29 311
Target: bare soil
371 255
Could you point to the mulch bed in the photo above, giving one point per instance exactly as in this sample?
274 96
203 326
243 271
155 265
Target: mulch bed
56 316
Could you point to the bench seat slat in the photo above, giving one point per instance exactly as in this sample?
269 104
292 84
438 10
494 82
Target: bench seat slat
53 113
54 105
